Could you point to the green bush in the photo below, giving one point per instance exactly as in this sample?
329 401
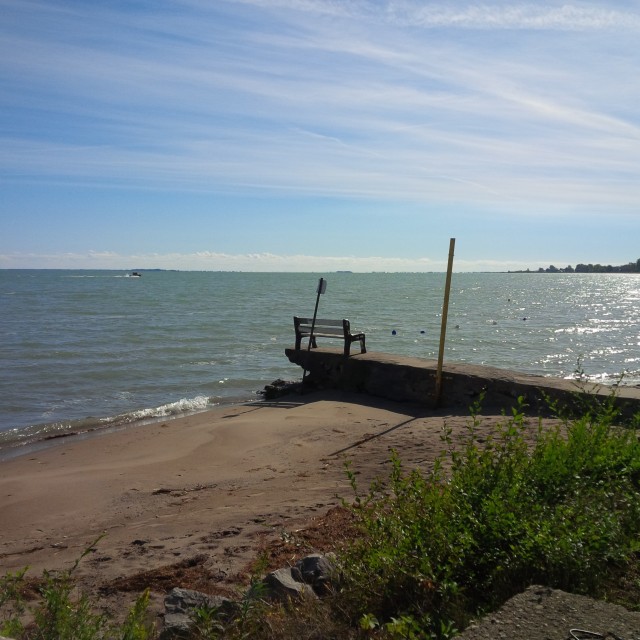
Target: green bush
491 518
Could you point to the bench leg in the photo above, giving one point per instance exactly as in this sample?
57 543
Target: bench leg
299 342
348 341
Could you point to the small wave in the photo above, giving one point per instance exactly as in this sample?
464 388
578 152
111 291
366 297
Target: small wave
18 439
185 405
12 439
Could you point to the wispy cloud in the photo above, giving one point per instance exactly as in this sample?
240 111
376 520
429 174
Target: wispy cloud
256 262
522 108
567 17
470 15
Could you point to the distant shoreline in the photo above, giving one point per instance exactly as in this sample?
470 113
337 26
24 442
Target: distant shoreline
630 267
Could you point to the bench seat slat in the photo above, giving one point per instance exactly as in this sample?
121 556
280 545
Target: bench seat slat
322 331
320 322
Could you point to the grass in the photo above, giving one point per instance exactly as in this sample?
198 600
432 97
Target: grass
437 548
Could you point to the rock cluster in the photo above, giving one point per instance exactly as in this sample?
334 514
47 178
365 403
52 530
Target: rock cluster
279 388
310 577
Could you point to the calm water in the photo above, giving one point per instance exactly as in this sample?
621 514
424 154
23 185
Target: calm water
90 348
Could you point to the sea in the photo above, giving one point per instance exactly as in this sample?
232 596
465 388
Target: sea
82 350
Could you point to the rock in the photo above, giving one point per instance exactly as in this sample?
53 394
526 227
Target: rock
309 578
279 388
286 584
176 625
180 605
317 571
541 613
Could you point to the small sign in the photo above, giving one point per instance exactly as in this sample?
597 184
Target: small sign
322 286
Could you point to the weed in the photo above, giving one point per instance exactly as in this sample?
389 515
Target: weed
135 626
64 612
12 603
207 622
212 622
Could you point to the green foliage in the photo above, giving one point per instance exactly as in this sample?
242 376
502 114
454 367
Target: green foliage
210 623
252 608
437 548
63 616
136 626
207 622
63 612
12 604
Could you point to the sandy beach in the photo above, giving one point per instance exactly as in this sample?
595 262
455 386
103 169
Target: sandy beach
214 485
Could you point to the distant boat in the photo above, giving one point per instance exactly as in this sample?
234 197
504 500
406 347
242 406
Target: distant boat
135 274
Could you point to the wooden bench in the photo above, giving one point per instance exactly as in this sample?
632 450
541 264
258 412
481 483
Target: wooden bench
327 329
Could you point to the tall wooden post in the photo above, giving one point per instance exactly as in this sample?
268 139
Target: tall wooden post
443 329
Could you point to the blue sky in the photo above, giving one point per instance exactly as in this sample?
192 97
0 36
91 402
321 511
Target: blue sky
316 135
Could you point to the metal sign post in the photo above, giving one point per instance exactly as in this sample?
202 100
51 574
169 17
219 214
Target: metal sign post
322 287
443 330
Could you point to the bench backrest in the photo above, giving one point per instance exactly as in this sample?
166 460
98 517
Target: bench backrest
322 325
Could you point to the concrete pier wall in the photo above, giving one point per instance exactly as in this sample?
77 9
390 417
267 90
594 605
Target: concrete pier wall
414 380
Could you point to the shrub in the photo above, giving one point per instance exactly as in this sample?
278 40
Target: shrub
439 547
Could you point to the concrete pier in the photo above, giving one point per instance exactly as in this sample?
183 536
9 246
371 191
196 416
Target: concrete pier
408 379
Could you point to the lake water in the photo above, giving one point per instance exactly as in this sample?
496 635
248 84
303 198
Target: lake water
94 348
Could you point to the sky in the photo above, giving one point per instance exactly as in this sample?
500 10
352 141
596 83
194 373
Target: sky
318 135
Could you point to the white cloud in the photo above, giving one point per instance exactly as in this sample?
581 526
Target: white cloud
257 262
513 16
464 15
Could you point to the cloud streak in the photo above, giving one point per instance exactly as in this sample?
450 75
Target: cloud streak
471 15
258 262
526 109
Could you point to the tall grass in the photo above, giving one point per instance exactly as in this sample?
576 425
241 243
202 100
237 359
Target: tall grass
65 612
490 518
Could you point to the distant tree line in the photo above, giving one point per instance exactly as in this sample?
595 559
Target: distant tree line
630 267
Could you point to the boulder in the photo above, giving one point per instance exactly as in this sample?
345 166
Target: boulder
180 605
310 577
286 584
279 388
541 613
317 570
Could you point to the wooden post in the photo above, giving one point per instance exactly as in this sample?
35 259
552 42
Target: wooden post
443 329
